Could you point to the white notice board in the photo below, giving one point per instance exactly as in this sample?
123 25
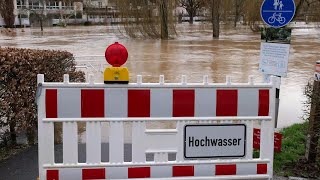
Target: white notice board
274 58
214 141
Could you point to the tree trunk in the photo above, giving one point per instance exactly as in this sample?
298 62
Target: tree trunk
20 20
41 23
13 135
6 11
314 123
215 4
164 19
191 17
237 13
298 8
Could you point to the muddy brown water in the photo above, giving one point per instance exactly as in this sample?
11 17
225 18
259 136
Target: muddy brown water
193 53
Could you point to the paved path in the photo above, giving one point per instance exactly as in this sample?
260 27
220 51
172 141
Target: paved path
24 166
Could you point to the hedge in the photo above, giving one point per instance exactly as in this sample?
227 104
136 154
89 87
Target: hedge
18 83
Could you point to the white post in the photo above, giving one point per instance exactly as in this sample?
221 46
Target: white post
184 80
45 133
93 142
267 131
205 80
180 134
251 80
66 79
70 142
228 80
116 141
91 79
249 144
138 143
139 79
161 80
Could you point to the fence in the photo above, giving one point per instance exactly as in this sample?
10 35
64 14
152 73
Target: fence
183 103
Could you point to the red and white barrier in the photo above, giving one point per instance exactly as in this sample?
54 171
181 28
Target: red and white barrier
156 102
183 103
162 171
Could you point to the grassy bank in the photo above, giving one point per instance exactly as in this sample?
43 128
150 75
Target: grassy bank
290 162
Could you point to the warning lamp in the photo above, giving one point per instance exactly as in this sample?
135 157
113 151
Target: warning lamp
116 55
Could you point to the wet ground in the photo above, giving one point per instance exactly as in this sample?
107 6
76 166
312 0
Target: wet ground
193 53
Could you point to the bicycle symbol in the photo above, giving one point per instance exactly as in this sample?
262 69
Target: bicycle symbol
276 17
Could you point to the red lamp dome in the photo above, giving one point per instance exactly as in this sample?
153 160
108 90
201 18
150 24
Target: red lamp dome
116 54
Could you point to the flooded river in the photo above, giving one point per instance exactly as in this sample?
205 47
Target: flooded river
193 53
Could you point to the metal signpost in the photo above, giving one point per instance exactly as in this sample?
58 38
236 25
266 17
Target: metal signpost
274 54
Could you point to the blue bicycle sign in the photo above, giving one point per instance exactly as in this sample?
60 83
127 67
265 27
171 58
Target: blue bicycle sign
276 17
277 13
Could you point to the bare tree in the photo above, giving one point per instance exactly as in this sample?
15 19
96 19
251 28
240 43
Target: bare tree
164 19
215 17
39 13
148 18
312 94
191 6
64 17
7 12
238 9
87 8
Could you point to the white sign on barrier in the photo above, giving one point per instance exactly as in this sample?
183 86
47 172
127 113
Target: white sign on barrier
210 141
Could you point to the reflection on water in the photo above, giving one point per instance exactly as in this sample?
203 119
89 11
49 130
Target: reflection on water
193 53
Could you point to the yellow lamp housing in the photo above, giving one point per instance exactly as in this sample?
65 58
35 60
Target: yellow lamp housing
116 75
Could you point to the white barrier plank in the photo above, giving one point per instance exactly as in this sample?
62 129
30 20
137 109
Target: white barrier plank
161 157
249 143
46 144
93 140
70 142
161 103
180 142
266 140
116 140
248 102
138 142
162 140
204 98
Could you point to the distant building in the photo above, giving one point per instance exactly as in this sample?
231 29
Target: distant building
99 11
58 12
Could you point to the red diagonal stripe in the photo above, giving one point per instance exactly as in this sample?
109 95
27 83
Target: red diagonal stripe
263 102
99 173
52 174
138 103
183 103
227 103
228 169
92 103
262 168
182 171
51 103
139 172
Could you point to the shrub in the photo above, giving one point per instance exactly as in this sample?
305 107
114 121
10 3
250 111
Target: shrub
87 23
18 83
